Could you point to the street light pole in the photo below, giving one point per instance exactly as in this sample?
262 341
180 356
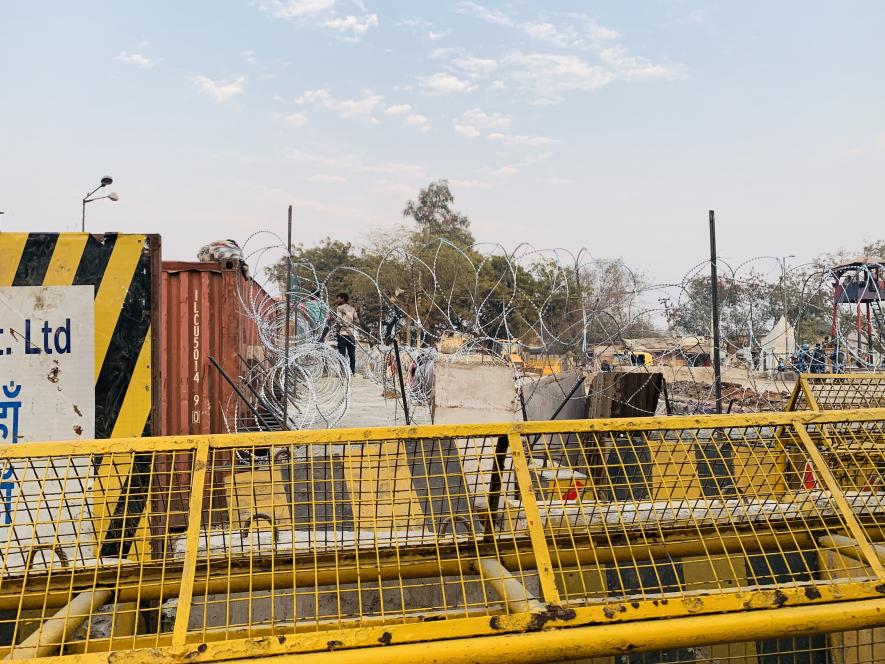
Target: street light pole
105 181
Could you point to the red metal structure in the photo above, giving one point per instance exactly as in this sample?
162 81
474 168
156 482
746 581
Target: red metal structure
862 283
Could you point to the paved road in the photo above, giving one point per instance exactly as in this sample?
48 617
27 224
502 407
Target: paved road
369 408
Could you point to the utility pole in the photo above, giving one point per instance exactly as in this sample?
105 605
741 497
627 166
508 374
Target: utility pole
714 299
288 320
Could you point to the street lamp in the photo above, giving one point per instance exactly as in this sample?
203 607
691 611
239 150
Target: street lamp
105 181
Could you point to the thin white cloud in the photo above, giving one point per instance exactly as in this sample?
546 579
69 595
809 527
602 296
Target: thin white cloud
218 90
137 59
249 56
544 76
505 171
423 29
443 83
349 24
327 179
295 120
410 119
484 13
422 122
633 66
555 181
398 109
467 130
361 109
352 28
509 170
479 118
577 31
516 139
290 9
476 67
354 163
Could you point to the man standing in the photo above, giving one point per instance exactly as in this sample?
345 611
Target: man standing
346 320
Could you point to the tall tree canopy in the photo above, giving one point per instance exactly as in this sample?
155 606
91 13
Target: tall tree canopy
434 216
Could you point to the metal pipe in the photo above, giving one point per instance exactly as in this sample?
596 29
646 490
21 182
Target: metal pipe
568 396
248 575
237 390
53 633
288 319
848 546
714 299
402 387
577 643
259 398
509 590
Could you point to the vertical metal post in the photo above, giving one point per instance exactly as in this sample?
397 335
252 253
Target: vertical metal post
714 298
402 387
288 320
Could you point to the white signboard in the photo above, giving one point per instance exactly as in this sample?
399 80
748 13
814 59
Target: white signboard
47 392
47 361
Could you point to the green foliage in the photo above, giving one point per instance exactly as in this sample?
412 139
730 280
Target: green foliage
434 216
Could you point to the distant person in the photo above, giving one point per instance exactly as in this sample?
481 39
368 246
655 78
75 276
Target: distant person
837 357
780 365
818 359
346 320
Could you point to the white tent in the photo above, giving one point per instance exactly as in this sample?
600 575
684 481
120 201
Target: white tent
780 342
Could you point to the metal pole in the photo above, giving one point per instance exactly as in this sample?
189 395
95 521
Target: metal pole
786 320
258 419
288 320
83 218
402 387
714 298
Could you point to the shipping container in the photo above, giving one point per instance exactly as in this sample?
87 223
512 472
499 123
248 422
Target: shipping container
205 313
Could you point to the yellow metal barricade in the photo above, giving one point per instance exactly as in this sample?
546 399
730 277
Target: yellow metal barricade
754 536
838 391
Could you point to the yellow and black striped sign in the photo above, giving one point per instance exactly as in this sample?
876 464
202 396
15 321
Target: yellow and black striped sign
121 269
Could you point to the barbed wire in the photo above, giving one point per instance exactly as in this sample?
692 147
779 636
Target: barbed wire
450 304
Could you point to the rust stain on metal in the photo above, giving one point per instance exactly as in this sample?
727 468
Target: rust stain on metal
52 376
385 639
693 604
78 430
77 410
812 593
612 610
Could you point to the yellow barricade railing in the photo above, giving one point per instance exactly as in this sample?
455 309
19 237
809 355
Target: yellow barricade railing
838 391
491 542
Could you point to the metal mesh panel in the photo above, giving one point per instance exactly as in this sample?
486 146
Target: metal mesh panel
226 547
838 391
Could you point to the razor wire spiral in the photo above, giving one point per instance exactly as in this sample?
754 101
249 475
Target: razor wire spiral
456 320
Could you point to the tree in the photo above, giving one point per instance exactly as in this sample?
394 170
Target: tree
318 269
435 217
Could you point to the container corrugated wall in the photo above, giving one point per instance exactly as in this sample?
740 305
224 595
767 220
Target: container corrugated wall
202 316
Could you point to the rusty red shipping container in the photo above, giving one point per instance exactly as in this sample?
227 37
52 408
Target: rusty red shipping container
202 315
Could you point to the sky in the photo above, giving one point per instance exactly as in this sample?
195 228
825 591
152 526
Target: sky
609 125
